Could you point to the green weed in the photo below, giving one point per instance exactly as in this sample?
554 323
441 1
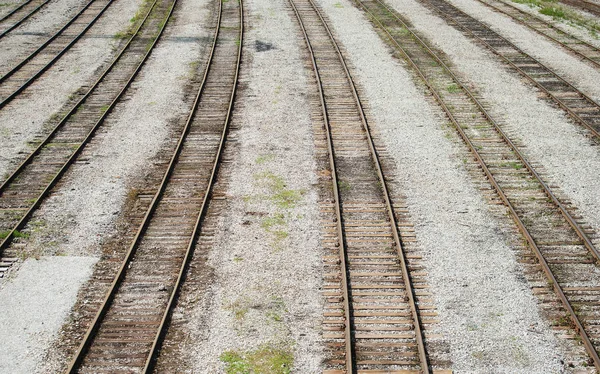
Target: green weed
265 360
344 186
453 88
264 159
552 11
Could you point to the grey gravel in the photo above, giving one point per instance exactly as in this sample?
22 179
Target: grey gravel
81 214
132 135
35 30
23 118
35 305
488 314
8 6
582 75
267 290
569 159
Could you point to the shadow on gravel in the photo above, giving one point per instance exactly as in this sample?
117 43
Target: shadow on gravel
262 46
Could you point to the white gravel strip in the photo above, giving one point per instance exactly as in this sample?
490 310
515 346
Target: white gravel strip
81 215
552 140
6 6
34 307
23 118
36 29
267 264
575 71
486 308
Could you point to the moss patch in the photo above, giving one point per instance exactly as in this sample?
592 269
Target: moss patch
265 360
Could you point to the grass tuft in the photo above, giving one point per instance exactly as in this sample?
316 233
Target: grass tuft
265 360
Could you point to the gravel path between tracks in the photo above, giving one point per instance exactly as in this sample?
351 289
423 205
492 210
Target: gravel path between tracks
23 119
580 74
266 260
35 305
489 315
569 159
36 30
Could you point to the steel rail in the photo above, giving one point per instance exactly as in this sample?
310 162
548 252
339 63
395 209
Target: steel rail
574 225
549 25
585 5
19 7
20 21
349 346
424 360
560 103
88 338
44 45
8 239
521 226
197 227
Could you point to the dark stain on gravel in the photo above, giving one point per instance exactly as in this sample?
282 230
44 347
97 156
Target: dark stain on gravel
262 46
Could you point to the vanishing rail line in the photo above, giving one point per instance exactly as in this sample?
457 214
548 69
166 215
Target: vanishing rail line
23 191
585 5
578 105
131 322
19 15
372 319
565 251
573 44
20 76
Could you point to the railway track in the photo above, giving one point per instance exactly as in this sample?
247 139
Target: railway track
19 15
20 76
571 43
372 320
562 248
585 5
24 190
127 331
578 105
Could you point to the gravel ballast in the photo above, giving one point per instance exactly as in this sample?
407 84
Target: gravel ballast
35 30
569 159
266 260
81 214
486 307
23 119
35 305
580 74
130 137
565 25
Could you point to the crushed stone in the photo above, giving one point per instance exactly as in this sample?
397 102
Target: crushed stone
569 159
485 305
23 119
35 304
266 260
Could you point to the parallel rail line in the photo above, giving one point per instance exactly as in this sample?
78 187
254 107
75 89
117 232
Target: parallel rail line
564 250
372 319
25 189
585 5
128 329
19 15
24 73
573 44
14 10
577 104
